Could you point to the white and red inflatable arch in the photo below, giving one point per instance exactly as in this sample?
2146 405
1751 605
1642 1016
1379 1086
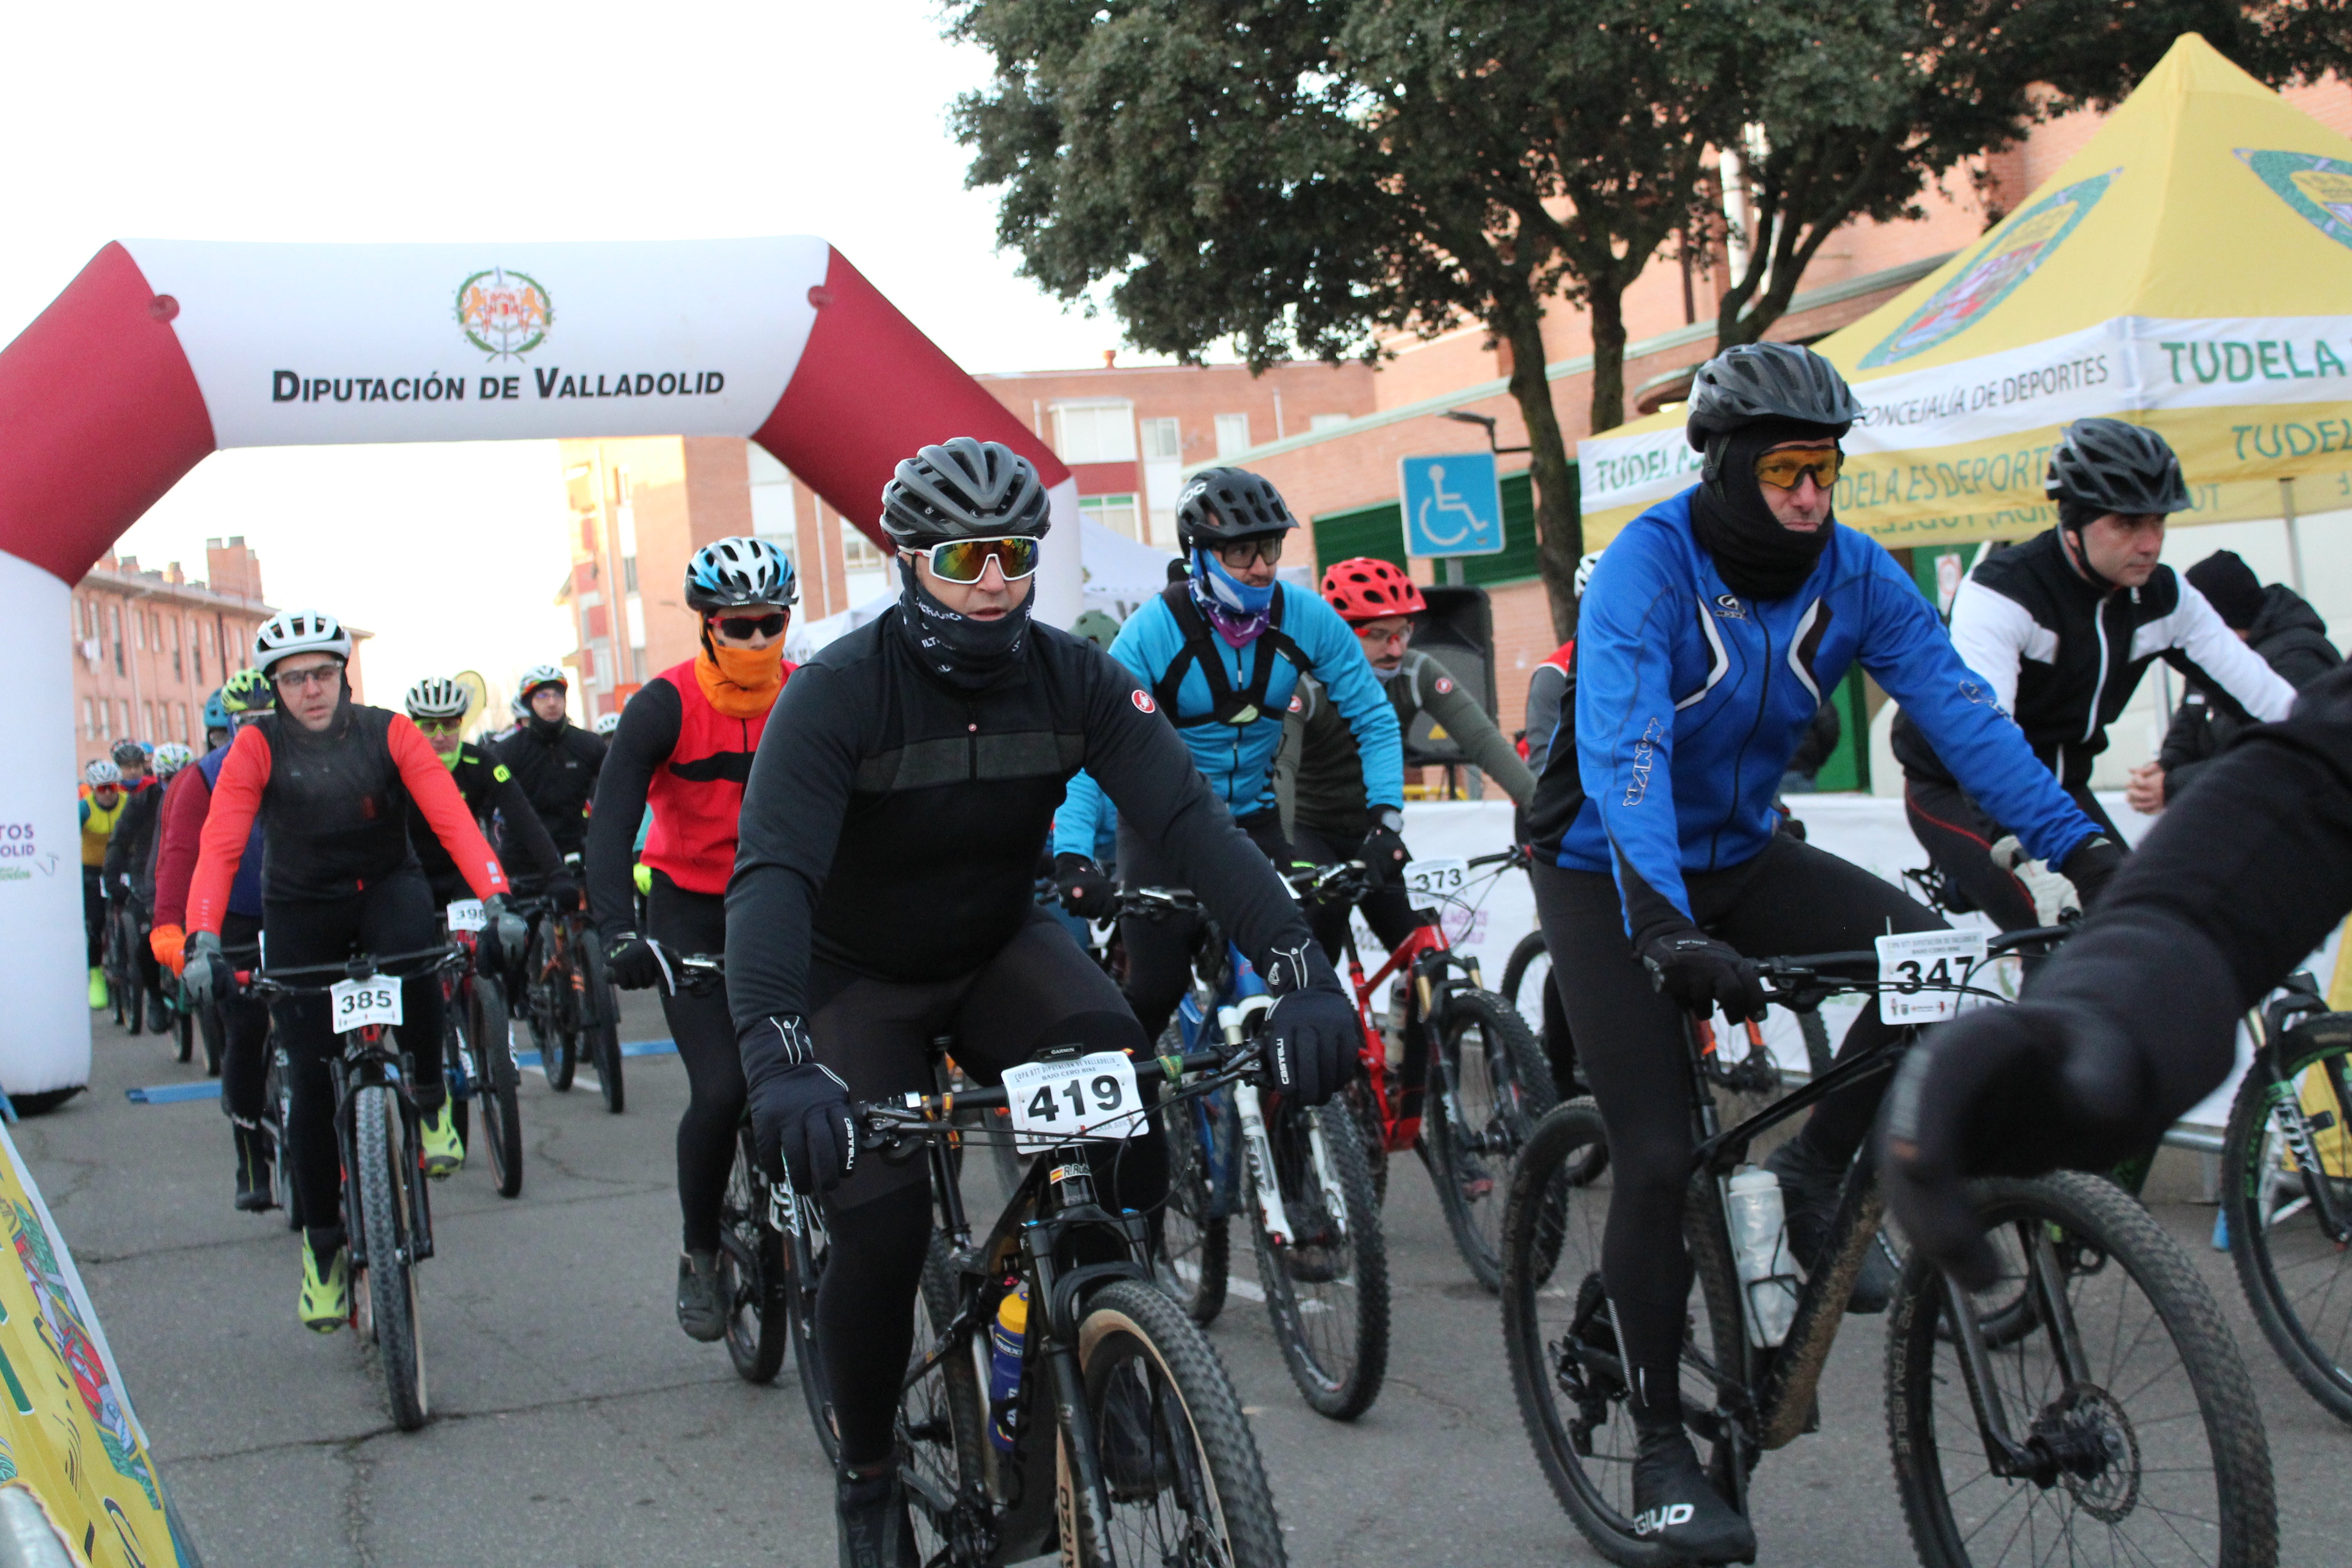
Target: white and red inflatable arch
162 351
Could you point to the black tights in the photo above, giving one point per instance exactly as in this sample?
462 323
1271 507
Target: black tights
686 923
1040 991
1958 839
1387 907
1790 898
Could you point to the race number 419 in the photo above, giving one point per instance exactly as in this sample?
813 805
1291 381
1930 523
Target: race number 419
1092 1097
1916 966
356 1004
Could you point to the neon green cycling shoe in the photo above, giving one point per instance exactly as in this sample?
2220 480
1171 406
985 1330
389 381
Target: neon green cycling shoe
326 1301
98 997
444 1156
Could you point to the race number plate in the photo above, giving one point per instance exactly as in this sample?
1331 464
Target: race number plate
466 914
1930 958
1092 1097
1436 879
359 1002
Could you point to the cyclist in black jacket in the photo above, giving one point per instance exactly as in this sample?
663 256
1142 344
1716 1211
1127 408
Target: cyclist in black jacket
884 895
554 760
438 706
2134 1020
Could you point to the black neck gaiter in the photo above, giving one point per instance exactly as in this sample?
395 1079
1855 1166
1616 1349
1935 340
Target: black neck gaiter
968 654
549 731
1757 557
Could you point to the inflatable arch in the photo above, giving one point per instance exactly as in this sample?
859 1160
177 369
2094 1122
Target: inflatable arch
162 351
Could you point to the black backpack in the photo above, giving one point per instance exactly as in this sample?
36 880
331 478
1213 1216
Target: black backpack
1227 704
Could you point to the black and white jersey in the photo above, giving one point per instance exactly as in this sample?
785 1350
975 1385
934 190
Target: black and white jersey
2063 658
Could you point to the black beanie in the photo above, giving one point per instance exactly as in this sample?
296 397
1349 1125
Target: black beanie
2231 586
1754 554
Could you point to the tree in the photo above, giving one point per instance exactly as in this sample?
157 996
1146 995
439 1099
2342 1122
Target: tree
1310 176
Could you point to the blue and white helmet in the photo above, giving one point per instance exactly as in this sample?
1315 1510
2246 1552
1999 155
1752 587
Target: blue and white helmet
101 773
728 573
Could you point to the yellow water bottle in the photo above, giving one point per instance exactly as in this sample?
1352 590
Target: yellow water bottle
1004 1342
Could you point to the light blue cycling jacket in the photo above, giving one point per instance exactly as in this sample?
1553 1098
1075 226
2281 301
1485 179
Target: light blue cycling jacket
1690 700
1238 759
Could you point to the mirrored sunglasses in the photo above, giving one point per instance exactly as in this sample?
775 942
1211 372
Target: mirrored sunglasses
963 560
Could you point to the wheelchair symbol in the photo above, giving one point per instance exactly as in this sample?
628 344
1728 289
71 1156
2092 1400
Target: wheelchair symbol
1440 501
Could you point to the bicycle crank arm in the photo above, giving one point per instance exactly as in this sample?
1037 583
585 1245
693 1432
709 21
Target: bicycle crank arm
1260 1149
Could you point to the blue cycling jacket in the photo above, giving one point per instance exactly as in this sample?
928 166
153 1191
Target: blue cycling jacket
1690 700
1238 759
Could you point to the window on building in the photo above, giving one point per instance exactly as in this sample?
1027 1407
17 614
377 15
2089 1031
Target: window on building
1095 432
88 720
1327 421
182 735
859 553
775 512
1118 514
147 721
1233 434
197 648
1162 438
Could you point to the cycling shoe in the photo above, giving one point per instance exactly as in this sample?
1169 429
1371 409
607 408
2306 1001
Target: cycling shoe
698 1309
870 1512
1808 1193
1678 1508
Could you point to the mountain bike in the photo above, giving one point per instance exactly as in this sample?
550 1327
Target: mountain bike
2286 1188
477 1050
1303 1177
276 1097
387 1218
772 1255
126 989
1123 1442
569 1001
2091 1407
1468 1084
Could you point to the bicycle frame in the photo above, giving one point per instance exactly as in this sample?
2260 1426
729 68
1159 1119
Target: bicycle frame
2295 1126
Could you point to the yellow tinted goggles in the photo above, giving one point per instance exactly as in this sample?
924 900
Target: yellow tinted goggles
1787 470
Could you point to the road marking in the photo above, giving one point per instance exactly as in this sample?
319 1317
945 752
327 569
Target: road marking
209 1089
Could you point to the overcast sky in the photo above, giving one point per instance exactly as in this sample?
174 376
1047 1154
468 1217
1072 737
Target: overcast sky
521 120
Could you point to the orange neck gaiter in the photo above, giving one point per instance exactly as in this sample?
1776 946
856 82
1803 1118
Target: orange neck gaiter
740 682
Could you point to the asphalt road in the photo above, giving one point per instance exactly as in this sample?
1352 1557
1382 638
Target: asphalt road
575 1426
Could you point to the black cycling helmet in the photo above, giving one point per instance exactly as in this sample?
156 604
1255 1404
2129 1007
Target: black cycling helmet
1767 381
1229 503
2105 465
963 488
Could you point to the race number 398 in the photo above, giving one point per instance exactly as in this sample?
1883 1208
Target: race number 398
355 1003
1916 966
1092 1097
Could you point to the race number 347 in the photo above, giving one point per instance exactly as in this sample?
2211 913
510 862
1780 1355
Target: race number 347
1916 966
356 1004
1092 1097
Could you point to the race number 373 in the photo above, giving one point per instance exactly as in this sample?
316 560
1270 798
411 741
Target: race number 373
1092 1097
356 1004
1915 967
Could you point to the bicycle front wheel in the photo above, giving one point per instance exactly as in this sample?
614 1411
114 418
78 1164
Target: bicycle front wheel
2296 1277
1488 1088
493 1036
552 1015
2124 1390
1195 1232
387 1224
943 1419
1180 1470
1327 1279
750 1270
600 1025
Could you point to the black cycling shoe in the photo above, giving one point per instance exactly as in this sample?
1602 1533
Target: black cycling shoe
1809 1196
700 1312
159 1013
870 1513
1678 1508
254 1155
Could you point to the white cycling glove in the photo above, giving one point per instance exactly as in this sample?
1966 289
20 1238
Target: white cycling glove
2054 897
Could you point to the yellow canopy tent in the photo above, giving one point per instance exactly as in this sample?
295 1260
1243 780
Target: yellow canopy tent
2190 268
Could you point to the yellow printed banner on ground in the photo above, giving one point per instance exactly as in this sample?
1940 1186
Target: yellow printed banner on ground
2189 269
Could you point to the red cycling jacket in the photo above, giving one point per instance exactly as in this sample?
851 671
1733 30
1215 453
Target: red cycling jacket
697 791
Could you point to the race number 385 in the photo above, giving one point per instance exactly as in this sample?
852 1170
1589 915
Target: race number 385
1916 966
1092 1097
356 1004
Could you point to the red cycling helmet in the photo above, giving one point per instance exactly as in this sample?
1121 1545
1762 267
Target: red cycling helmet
1364 589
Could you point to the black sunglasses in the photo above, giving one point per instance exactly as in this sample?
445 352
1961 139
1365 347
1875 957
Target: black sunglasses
751 625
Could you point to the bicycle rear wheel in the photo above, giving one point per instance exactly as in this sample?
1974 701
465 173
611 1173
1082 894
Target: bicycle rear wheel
600 1024
1475 1128
943 1423
277 1098
1327 1284
387 1223
2154 1450
1182 1474
122 971
1561 1342
495 1087
2296 1277
1195 1255
548 1004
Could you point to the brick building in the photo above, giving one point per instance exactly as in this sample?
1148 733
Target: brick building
151 646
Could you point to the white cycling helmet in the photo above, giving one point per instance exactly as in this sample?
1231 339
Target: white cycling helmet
437 696
607 724
1584 572
103 773
299 631
537 675
171 757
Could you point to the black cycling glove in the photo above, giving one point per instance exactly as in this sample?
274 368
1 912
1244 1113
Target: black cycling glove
2091 867
1086 891
1702 973
1383 852
1313 1044
562 891
635 962
800 1107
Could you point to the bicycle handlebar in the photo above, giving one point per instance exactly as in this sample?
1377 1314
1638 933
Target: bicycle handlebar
919 1115
1800 978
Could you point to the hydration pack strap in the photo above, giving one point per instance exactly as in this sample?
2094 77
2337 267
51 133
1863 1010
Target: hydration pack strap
1227 705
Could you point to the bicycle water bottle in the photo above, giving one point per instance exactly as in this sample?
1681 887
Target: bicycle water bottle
1004 1342
1759 1250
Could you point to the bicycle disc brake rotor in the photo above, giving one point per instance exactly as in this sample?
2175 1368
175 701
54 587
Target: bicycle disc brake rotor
2087 1435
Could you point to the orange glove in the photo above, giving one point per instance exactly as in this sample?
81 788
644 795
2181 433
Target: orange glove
166 941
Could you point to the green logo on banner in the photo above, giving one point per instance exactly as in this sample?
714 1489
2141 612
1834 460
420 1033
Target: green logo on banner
2022 245
2318 188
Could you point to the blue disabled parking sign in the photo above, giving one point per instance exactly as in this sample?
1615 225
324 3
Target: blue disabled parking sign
1453 504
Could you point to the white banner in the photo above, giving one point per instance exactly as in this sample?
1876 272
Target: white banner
300 344
46 1043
